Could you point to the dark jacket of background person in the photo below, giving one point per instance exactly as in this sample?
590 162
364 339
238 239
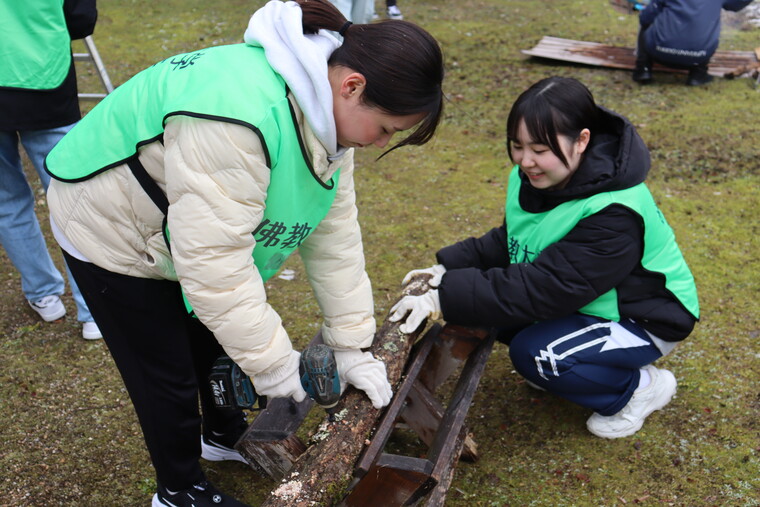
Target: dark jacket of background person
588 258
46 109
684 32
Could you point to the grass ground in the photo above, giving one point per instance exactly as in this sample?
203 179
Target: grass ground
71 437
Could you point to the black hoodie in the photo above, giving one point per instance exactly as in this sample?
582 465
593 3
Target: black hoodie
603 251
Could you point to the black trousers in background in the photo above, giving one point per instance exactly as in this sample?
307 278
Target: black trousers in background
164 357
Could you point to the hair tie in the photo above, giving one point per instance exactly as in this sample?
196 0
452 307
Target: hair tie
344 28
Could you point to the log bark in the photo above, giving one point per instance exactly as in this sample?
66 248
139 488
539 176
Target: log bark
321 475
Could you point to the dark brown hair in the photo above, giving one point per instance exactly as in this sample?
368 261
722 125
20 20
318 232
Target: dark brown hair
402 63
551 107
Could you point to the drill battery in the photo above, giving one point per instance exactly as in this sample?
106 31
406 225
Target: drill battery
230 387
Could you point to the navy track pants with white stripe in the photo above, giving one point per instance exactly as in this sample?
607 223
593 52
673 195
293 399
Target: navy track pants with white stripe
587 360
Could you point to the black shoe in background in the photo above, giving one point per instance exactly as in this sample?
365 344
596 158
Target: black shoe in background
698 76
642 74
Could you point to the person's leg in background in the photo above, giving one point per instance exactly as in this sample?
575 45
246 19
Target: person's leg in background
361 11
154 342
37 145
642 73
21 236
598 364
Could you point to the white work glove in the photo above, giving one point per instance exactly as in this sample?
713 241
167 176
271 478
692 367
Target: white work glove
283 382
418 307
363 371
437 271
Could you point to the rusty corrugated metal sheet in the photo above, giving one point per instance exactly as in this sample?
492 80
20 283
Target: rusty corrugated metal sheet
593 53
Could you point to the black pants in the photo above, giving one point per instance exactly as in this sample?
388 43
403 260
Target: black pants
643 58
164 357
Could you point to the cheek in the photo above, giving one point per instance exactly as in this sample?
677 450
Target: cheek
516 156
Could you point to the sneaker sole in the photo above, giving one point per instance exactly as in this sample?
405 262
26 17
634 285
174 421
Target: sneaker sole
212 453
50 318
661 403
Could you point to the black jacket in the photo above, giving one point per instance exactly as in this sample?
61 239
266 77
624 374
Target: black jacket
46 109
481 288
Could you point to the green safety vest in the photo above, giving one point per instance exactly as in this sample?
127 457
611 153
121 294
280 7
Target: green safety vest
530 233
39 57
234 84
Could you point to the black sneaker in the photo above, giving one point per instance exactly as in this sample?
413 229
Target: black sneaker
203 494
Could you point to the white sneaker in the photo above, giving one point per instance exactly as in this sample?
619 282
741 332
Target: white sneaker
50 308
394 12
91 331
211 451
661 388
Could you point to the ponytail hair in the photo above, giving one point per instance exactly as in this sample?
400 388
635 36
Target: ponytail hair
550 107
402 63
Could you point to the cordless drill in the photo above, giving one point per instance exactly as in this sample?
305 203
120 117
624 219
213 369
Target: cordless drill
319 377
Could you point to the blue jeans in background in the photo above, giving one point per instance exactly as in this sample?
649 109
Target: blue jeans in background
20 232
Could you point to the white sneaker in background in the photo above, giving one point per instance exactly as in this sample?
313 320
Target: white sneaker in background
394 12
91 331
661 388
50 308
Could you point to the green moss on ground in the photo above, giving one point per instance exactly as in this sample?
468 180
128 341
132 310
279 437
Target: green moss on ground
71 437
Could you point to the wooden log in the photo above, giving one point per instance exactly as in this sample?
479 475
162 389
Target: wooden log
322 473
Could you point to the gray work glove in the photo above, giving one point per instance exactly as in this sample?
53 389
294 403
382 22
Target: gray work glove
419 308
363 371
282 382
436 271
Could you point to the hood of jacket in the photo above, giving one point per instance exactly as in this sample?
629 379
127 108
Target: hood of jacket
615 159
301 60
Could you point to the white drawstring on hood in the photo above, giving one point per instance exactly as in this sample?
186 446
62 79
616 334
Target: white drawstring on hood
301 60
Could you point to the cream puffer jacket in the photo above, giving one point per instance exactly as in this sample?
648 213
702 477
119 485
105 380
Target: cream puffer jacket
215 177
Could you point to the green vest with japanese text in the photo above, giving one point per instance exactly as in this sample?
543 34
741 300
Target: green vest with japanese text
39 57
233 84
530 233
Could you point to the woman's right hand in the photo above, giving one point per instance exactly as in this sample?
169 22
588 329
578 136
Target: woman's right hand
283 382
